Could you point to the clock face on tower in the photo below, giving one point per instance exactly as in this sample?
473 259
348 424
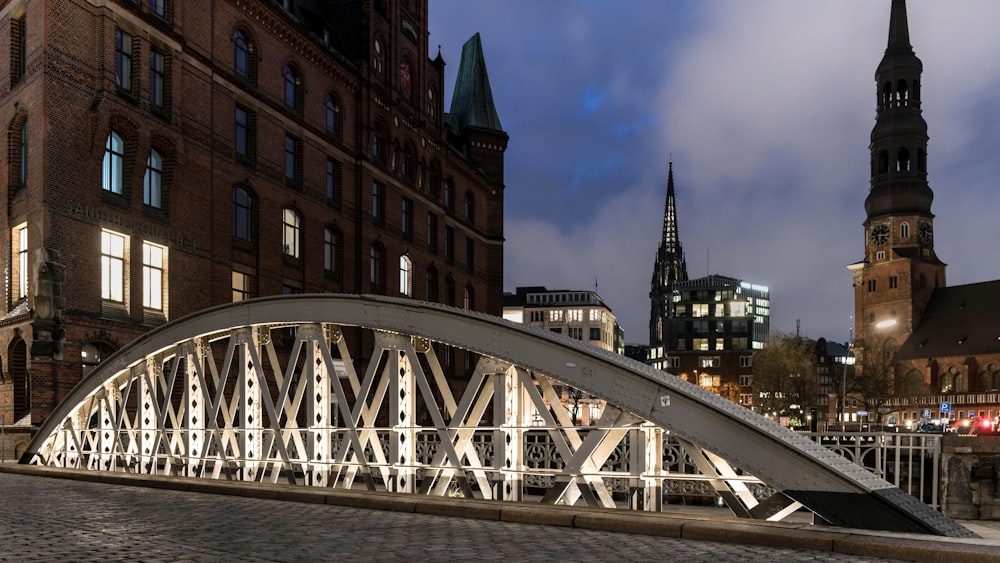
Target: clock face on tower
879 235
926 232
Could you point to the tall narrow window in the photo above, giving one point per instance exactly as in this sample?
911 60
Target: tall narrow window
293 161
432 232
470 209
123 60
241 286
378 203
243 62
449 195
293 89
378 142
242 214
375 271
154 259
405 276
407 219
20 260
114 164
17 50
449 243
290 232
334 182
152 182
22 173
112 266
470 254
408 167
333 122
330 251
432 285
157 79
244 142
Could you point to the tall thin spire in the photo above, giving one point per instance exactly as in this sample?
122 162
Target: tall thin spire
670 268
670 240
899 29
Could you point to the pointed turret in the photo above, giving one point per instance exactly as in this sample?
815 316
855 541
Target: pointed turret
472 103
670 268
899 138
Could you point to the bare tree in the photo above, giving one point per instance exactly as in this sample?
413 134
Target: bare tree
873 382
784 382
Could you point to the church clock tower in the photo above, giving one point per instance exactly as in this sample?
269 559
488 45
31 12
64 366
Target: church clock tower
900 269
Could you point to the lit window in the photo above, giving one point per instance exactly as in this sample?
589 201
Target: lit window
699 309
904 230
290 233
114 164
152 182
242 214
405 276
123 60
112 266
241 286
154 260
20 259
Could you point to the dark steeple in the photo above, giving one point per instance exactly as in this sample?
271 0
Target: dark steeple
899 138
670 268
472 102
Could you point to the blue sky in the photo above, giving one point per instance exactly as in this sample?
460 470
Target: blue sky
766 108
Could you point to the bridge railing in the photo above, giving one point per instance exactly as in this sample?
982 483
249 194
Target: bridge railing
912 461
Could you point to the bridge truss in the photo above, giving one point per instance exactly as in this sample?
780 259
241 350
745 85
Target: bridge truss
276 390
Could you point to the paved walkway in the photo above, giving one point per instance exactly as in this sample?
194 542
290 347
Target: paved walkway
50 519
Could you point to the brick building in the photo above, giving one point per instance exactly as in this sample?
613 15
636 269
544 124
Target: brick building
167 156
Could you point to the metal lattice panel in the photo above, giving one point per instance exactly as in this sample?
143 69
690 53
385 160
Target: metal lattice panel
268 390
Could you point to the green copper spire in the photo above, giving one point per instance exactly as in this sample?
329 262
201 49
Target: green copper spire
472 103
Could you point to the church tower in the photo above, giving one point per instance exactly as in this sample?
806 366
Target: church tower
670 268
900 270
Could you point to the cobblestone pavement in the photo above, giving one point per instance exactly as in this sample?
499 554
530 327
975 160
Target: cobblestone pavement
62 520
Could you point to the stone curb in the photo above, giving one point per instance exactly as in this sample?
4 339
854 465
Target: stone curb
913 547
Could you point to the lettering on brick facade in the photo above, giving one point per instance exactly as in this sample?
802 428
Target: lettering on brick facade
130 226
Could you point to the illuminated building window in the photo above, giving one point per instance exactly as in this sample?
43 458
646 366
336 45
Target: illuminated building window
241 286
291 224
113 266
405 276
19 259
154 262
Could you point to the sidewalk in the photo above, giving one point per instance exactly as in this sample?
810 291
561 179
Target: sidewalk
682 522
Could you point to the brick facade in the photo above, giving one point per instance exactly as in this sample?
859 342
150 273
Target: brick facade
70 99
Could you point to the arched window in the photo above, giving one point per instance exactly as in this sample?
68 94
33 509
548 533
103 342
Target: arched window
469 299
242 214
378 141
902 93
243 57
290 223
449 195
333 118
293 88
408 166
152 182
405 78
470 209
903 160
883 162
904 230
405 276
886 94
114 164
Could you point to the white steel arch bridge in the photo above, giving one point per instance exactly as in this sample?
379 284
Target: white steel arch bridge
268 390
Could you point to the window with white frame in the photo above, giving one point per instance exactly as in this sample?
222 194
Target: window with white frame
113 266
19 250
152 182
290 233
114 164
154 262
405 276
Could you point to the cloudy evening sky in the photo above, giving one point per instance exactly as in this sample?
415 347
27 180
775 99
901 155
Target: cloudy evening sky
766 107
